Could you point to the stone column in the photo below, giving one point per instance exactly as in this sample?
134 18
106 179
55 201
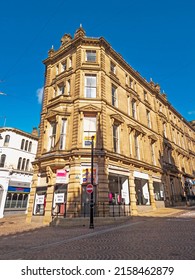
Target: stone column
151 192
49 198
32 194
132 194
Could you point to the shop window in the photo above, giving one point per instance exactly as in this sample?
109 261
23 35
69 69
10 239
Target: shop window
118 189
59 200
40 201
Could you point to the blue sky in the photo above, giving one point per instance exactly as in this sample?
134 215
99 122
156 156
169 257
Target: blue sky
157 38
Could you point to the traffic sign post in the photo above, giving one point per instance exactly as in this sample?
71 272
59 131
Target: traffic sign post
91 225
89 188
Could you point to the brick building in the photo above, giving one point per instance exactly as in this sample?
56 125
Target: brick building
143 148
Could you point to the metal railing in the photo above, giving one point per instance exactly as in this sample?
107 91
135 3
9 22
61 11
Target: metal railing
101 209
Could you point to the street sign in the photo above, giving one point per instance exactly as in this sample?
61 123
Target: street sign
89 188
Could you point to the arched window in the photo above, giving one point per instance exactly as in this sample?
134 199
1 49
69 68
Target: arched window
7 138
23 163
30 146
19 163
2 161
26 145
27 165
22 144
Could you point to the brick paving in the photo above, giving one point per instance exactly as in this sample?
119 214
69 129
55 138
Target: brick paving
166 234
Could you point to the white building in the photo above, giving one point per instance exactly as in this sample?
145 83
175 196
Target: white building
17 151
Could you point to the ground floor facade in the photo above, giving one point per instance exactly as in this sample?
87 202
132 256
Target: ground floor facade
14 192
118 189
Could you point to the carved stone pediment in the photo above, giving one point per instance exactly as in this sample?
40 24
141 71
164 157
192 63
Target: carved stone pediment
59 112
153 137
89 108
117 118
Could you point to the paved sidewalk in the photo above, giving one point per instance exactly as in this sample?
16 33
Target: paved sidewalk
17 223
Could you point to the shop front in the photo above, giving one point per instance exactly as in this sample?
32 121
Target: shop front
141 188
59 200
40 201
16 199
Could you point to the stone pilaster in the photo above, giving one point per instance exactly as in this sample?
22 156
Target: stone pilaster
151 192
132 195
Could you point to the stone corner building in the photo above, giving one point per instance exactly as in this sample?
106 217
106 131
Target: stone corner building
143 149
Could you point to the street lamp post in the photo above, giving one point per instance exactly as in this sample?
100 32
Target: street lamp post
91 225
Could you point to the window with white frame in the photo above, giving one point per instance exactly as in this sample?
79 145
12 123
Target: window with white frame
62 144
114 96
52 136
90 86
90 56
116 146
137 146
89 130
134 109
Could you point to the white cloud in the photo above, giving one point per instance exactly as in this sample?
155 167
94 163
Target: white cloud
191 113
39 94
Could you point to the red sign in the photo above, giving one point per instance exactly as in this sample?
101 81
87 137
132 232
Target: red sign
89 188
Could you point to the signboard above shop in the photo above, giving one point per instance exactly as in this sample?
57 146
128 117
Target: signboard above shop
61 176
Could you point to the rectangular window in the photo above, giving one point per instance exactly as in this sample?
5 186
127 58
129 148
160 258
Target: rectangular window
114 96
64 65
89 128
63 135
153 153
90 86
52 136
61 89
137 148
116 138
113 67
134 113
164 130
70 61
148 118
91 55
68 87
145 95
